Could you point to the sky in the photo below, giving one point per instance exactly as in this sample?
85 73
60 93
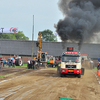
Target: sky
19 13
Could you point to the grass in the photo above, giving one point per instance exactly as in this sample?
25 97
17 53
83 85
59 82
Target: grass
95 69
12 73
23 66
5 75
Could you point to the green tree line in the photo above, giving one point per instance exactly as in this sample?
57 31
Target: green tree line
46 35
15 36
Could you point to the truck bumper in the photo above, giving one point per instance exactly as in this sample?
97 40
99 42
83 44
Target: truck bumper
70 71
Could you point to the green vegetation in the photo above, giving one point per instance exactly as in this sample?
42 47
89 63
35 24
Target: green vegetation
11 74
47 35
23 66
15 36
95 67
5 75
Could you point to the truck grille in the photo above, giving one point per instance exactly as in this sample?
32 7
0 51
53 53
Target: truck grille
70 66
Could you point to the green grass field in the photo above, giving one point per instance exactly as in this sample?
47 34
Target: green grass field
24 66
5 75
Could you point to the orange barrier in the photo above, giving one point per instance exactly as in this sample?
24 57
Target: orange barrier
98 72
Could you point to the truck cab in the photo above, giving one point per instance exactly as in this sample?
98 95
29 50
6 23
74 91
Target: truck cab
70 64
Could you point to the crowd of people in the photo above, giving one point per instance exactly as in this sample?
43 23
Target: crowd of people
7 62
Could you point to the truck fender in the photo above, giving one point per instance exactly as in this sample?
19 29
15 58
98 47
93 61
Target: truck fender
82 71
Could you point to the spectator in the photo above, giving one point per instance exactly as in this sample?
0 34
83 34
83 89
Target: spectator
10 62
33 63
29 64
14 62
0 62
3 62
98 67
28 61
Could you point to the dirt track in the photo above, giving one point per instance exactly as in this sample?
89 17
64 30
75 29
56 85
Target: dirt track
43 84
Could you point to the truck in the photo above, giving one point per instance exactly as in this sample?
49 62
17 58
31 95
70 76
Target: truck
53 61
70 64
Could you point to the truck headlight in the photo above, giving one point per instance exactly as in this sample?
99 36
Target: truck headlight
63 70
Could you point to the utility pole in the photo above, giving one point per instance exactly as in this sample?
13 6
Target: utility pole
33 36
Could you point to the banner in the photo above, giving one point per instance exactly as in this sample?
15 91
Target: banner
9 30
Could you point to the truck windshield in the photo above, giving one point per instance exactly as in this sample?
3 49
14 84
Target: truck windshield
75 59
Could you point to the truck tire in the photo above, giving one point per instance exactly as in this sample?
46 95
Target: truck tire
59 72
62 75
82 71
54 66
18 62
79 76
49 65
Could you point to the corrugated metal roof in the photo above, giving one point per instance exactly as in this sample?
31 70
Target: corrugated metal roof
19 47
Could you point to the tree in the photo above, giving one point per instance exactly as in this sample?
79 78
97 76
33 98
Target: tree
14 36
47 35
21 36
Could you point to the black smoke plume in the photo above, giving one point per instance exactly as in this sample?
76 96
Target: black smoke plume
81 20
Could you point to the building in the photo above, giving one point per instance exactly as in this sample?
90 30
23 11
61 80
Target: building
24 48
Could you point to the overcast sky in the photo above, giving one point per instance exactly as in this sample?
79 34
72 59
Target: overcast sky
19 13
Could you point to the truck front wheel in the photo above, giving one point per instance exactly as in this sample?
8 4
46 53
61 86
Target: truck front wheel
79 76
61 75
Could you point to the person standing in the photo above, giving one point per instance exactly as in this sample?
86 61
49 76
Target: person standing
14 62
10 62
99 64
33 64
3 62
29 64
0 62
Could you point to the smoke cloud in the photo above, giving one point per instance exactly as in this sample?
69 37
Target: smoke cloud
81 20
